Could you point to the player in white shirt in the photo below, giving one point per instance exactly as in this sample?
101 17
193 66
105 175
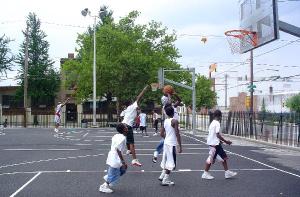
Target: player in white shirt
129 116
216 151
156 117
115 161
143 123
57 116
170 132
166 100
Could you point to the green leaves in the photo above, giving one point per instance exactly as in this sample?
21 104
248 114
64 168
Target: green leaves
6 57
294 103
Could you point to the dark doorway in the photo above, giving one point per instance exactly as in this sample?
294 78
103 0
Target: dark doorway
71 112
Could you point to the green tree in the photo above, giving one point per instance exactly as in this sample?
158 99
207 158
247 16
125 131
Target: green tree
205 97
43 79
6 57
128 57
294 103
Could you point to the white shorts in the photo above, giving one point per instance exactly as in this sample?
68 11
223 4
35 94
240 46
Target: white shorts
57 119
169 157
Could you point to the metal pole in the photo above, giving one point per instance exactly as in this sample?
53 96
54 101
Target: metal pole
94 76
194 100
25 76
251 92
226 91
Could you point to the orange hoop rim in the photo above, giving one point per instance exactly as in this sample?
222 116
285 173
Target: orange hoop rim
241 34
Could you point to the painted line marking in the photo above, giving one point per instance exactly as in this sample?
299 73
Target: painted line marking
85 134
21 188
132 171
46 160
42 149
286 172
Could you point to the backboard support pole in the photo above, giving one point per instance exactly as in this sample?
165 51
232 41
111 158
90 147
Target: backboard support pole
288 28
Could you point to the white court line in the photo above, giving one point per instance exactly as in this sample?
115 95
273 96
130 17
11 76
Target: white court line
21 188
41 149
46 160
85 134
286 172
132 171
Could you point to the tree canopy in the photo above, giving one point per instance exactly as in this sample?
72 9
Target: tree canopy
6 57
128 57
43 79
294 103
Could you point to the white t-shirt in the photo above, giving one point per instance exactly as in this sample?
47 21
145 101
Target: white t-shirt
143 119
156 116
130 114
165 100
122 114
170 138
213 129
118 141
58 110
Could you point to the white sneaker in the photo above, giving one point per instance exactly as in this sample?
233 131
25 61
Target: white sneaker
56 130
128 152
105 188
207 175
155 134
135 162
229 174
162 175
166 181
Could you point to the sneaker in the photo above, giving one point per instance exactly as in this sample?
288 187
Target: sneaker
135 162
155 134
105 188
167 182
56 130
162 175
128 152
154 159
229 174
207 175
146 135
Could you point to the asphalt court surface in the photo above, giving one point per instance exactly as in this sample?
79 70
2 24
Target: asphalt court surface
39 162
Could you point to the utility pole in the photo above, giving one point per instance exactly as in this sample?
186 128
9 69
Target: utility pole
251 92
226 76
25 76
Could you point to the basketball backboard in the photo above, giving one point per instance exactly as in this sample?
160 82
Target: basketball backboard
260 16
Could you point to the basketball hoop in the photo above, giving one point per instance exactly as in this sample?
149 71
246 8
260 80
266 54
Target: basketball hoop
239 40
154 86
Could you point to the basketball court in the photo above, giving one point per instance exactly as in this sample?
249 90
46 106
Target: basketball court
38 162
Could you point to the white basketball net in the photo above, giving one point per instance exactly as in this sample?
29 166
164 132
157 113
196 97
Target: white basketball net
240 40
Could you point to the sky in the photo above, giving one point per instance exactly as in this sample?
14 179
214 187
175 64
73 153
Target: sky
191 20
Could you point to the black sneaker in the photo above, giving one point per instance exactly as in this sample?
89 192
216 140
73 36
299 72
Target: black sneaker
154 159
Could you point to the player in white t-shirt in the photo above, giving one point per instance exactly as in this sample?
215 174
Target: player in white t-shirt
129 116
166 100
216 151
58 114
143 123
170 132
156 118
115 161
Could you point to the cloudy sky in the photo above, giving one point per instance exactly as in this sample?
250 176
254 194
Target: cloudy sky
191 19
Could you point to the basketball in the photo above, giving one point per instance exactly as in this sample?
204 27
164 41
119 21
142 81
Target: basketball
168 89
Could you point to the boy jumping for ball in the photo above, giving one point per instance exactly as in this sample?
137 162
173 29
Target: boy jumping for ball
129 116
216 151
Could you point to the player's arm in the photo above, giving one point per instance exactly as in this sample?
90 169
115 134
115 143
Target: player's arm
162 132
178 100
121 158
175 125
139 97
65 102
223 140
